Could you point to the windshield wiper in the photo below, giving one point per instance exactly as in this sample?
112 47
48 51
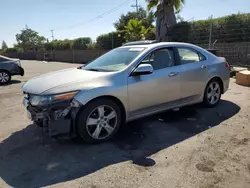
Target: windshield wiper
92 69
98 70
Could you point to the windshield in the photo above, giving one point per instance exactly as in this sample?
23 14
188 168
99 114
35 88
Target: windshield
114 60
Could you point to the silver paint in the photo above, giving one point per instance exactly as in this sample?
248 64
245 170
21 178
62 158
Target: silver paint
142 95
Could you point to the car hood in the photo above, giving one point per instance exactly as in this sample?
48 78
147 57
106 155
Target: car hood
65 80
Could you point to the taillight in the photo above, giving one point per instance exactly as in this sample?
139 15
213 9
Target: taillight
227 65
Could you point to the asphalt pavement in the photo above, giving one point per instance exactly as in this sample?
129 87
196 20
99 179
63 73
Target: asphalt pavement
193 147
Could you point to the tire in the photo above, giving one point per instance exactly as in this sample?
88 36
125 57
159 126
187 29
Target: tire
212 93
5 77
99 121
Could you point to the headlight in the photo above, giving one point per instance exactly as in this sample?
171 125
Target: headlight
40 100
45 100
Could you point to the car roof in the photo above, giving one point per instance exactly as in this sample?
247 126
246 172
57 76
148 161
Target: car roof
170 44
142 42
158 44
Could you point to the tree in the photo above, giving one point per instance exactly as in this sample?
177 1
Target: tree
109 40
65 44
150 35
78 44
4 46
226 29
146 17
81 43
29 39
135 30
166 18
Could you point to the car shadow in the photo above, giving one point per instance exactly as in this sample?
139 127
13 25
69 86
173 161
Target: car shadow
12 82
25 162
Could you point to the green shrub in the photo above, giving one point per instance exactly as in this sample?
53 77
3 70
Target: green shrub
233 28
105 41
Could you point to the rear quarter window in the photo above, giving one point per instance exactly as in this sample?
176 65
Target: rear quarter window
202 57
190 55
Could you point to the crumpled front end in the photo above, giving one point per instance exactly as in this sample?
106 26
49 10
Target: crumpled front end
55 119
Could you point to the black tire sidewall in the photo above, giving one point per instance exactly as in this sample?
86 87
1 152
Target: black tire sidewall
205 99
81 129
3 71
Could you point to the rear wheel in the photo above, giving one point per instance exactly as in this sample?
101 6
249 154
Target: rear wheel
98 121
5 77
212 93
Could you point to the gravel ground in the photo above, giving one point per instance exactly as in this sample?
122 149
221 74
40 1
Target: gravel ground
194 147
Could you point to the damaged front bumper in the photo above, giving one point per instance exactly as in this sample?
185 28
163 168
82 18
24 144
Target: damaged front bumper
55 119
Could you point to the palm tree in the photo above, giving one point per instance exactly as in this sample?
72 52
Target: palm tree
165 14
135 30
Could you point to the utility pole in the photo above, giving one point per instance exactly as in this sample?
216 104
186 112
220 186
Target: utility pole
137 8
112 40
210 32
52 33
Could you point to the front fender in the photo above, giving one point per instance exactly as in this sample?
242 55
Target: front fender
120 93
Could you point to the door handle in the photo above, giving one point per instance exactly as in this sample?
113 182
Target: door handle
171 74
203 66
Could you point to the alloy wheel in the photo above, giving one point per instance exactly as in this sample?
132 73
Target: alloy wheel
101 122
4 77
213 92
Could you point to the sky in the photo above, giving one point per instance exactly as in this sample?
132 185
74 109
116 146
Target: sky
79 18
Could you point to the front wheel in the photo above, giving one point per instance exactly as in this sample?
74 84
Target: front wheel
212 93
98 121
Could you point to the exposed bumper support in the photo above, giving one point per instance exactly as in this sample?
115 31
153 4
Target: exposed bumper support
57 119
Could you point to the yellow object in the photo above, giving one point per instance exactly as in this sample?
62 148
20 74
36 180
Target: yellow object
66 96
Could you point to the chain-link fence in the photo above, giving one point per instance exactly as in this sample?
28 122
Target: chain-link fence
229 36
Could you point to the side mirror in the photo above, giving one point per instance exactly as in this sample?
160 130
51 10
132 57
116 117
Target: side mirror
143 69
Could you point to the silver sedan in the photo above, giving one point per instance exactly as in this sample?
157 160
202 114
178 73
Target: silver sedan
130 82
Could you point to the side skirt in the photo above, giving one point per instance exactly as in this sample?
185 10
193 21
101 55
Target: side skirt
165 106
